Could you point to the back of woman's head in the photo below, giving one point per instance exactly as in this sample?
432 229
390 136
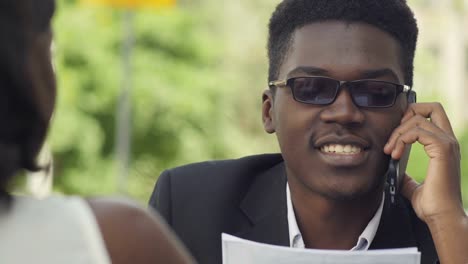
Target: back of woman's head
27 83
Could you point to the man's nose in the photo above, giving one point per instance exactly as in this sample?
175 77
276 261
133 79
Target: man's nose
343 110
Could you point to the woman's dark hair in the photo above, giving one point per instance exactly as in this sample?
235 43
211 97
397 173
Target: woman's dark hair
27 84
391 16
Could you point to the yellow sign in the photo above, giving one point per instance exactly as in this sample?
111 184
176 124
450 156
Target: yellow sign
132 3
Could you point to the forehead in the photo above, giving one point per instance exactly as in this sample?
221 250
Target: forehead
342 50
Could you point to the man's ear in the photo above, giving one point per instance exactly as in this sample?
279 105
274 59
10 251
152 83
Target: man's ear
267 111
410 99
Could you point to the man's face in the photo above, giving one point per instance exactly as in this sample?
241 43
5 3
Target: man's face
307 133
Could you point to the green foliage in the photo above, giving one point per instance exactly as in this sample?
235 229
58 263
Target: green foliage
198 71
175 96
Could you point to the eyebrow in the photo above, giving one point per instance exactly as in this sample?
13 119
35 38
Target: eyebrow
309 70
366 74
373 74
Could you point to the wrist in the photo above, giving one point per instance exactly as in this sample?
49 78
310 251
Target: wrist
446 219
450 236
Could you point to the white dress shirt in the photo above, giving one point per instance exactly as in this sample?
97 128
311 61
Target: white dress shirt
364 240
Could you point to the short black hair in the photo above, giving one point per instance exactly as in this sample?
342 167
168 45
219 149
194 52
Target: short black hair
391 16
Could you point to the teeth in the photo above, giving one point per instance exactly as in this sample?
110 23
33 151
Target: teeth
347 149
341 149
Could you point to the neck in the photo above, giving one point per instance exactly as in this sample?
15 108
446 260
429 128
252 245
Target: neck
327 223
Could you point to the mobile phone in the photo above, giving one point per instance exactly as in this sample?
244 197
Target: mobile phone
397 168
395 173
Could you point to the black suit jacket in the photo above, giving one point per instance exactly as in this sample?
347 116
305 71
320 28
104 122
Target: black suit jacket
247 198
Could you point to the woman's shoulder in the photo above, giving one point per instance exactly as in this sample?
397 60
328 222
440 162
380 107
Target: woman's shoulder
140 231
115 228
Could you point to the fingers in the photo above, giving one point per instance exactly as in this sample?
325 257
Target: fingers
433 111
435 133
417 129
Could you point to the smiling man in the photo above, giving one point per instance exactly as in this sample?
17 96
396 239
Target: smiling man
340 104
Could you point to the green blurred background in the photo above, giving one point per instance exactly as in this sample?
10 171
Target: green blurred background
198 70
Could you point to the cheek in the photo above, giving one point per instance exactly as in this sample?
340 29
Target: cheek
385 123
293 121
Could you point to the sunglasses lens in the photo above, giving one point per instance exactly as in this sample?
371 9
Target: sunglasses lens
316 90
323 91
373 93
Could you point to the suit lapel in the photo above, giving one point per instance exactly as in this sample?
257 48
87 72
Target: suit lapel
265 207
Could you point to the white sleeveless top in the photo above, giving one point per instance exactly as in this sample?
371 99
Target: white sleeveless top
52 230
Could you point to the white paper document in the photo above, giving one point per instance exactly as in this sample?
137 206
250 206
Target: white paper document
241 251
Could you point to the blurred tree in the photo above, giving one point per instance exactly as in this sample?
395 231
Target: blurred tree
176 91
198 74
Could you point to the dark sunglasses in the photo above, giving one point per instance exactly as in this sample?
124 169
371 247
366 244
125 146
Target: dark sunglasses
324 90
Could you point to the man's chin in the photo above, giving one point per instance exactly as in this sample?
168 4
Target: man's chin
343 194
340 196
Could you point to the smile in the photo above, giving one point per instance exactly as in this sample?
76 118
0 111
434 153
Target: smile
347 149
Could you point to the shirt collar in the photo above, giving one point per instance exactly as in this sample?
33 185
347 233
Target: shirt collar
364 240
